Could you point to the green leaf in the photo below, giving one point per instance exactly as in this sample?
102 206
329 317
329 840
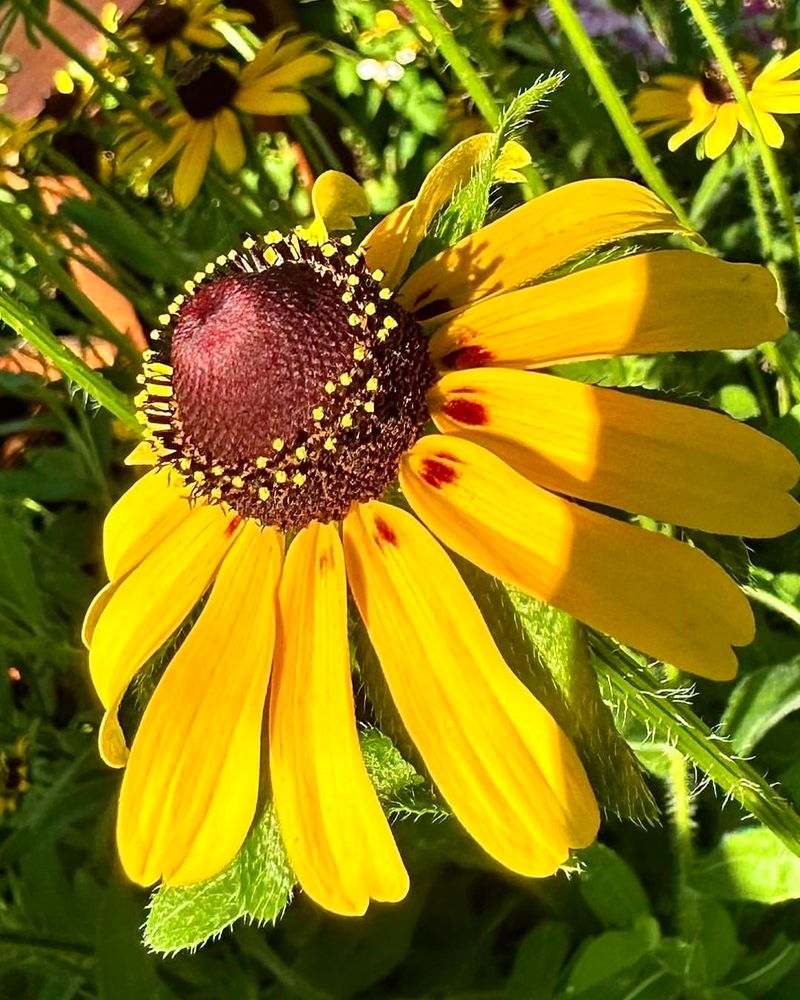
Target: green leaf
714 946
538 961
760 973
631 689
401 789
611 889
758 702
787 430
257 884
17 581
738 401
606 957
547 650
751 864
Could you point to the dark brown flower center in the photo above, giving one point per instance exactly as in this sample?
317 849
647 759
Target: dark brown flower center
716 88
205 88
289 385
163 22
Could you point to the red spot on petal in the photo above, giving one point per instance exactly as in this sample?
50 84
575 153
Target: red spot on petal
437 474
386 534
466 411
467 357
324 561
233 525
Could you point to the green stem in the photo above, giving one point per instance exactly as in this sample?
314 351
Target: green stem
426 17
63 282
715 41
713 187
757 203
26 326
631 687
615 106
680 812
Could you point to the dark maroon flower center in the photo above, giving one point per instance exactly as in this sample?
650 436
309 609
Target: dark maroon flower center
163 22
290 384
716 88
205 88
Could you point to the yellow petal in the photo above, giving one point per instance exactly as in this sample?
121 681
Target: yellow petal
228 143
506 769
699 122
336 835
673 300
645 589
675 463
142 454
722 133
780 69
535 238
153 600
380 245
92 616
781 99
336 200
193 162
255 100
771 130
450 173
142 518
190 789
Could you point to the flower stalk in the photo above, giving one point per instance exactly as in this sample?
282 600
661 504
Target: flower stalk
614 104
716 43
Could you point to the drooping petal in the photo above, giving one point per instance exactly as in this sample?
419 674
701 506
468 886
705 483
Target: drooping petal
192 165
142 518
773 133
699 122
153 599
190 789
722 133
675 463
336 835
534 239
228 142
673 300
506 769
645 589
782 99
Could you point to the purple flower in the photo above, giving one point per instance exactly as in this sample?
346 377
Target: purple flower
628 33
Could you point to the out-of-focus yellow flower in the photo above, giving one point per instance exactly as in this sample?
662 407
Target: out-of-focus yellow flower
708 108
176 26
212 93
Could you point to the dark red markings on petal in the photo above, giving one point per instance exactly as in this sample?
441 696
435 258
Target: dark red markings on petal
235 522
466 411
467 357
437 474
386 534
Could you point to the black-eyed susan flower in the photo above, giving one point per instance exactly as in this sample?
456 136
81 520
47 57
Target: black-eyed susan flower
178 27
289 388
212 93
706 106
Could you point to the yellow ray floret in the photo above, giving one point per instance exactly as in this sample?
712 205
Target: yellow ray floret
505 768
664 598
336 835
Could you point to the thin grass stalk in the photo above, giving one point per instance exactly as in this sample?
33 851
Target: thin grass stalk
615 106
63 282
446 42
70 365
717 45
